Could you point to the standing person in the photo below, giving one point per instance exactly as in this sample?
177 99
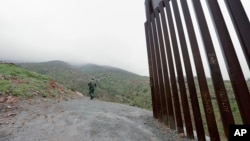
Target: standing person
92 86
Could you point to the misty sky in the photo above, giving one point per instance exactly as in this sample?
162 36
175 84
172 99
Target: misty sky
104 32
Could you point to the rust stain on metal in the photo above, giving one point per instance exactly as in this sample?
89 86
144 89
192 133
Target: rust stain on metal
162 66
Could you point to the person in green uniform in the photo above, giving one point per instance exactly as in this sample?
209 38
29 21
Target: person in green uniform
92 86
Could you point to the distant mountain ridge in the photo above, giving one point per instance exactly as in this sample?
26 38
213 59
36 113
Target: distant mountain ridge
94 68
114 84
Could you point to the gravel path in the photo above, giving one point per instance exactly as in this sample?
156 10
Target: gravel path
82 120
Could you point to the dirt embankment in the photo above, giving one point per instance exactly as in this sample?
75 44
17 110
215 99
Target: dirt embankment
79 120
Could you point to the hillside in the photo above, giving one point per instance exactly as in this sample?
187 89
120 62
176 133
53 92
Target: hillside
113 84
15 81
43 111
62 72
126 86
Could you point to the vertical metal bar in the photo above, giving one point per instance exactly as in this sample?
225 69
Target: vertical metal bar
241 23
205 95
177 115
161 81
185 106
150 71
148 9
235 72
155 75
221 93
192 89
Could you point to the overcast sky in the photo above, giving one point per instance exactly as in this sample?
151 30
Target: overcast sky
104 32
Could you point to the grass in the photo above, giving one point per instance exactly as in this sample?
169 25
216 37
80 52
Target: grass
116 85
233 105
23 83
113 84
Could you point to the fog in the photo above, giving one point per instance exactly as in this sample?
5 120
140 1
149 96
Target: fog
107 32
103 32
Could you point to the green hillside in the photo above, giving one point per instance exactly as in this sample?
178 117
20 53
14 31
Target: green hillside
62 72
113 84
19 82
127 87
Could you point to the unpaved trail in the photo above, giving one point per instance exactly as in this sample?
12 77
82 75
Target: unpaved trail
82 120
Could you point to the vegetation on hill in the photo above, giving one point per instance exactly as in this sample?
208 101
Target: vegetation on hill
124 86
19 82
62 72
232 101
113 84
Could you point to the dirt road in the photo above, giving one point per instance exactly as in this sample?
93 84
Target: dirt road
80 120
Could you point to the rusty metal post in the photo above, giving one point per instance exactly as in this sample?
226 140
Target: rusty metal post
205 95
160 74
185 106
154 81
218 82
152 85
241 23
162 70
221 93
177 109
192 89
155 75
235 72
148 9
